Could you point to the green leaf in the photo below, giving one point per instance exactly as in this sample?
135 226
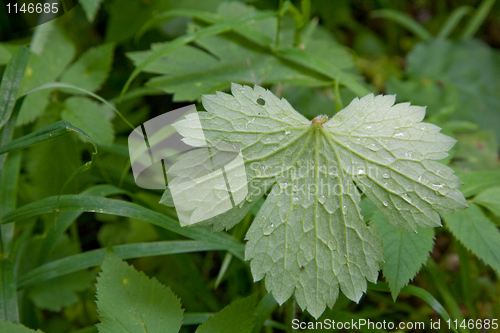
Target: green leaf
476 150
61 291
91 70
125 17
6 52
490 199
211 30
216 61
236 317
11 83
442 75
309 237
477 233
9 327
476 182
128 301
42 68
90 117
90 7
404 252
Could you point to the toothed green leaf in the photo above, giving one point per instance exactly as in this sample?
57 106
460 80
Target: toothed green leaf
404 252
477 233
309 237
128 301
236 317
7 326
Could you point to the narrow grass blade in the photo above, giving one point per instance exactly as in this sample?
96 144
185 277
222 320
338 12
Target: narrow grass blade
8 292
52 85
10 165
125 209
478 18
465 278
452 21
9 176
44 134
265 307
405 21
420 293
64 220
94 258
11 83
223 269
430 300
190 37
445 292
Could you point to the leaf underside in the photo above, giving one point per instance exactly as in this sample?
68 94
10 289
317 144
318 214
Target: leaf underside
309 237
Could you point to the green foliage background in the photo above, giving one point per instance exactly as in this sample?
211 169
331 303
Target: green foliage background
106 66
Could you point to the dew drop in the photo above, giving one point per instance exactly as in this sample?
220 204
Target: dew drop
269 229
322 199
249 199
344 208
295 200
385 175
406 198
399 135
368 126
385 203
295 187
361 171
288 131
419 178
357 140
436 186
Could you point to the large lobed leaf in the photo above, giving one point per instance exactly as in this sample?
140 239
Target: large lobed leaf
309 237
